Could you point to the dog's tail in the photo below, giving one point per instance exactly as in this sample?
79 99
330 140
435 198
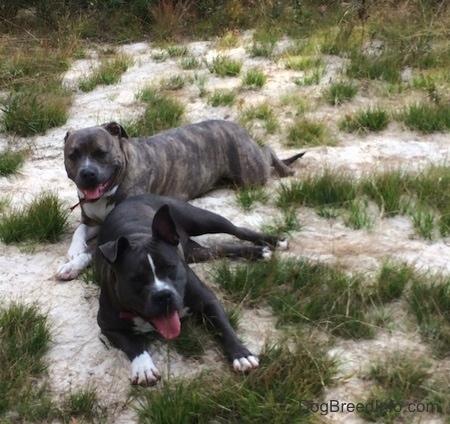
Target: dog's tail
292 159
281 165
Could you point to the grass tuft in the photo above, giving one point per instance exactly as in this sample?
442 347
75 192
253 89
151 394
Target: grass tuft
426 117
222 98
371 119
308 132
25 338
10 162
340 92
43 220
224 66
108 73
161 113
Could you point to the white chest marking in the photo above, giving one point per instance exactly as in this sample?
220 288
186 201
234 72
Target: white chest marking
99 209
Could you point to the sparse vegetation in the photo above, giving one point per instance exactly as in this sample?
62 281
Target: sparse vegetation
222 98
161 113
371 119
394 52
10 161
43 220
224 66
308 132
108 73
339 92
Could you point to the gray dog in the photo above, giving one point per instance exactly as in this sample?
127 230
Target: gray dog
107 166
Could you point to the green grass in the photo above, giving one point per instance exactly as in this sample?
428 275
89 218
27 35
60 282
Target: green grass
339 92
189 62
302 63
161 113
222 98
372 119
302 292
263 43
429 301
253 78
108 73
392 279
294 369
224 66
426 117
27 113
43 220
424 197
326 190
398 379
385 67
25 395
25 337
11 161
177 50
308 132
263 113
173 82
358 216
312 77
246 197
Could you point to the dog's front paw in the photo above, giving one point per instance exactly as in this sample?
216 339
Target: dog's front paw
143 370
245 363
71 270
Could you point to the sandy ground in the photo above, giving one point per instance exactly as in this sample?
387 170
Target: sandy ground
78 358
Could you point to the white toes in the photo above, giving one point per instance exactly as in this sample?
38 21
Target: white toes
143 370
245 364
72 269
283 244
266 253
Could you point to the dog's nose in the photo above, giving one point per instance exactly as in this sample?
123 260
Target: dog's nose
163 297
88 175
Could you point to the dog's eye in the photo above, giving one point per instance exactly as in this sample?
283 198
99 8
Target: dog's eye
99 154
73 155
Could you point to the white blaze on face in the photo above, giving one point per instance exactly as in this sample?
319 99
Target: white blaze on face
159 284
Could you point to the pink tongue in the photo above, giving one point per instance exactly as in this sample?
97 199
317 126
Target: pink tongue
168 326
93 193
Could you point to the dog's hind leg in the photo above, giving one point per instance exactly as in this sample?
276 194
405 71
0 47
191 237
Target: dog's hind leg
195 252
281 166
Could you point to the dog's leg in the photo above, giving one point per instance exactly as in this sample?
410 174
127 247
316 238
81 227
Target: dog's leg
195 221
79 254
195 252
204 303
143 370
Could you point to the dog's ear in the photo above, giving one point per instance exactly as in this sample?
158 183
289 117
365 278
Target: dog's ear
113 249
67 135
164 227
115 129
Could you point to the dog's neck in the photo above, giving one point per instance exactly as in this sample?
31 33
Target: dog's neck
99 209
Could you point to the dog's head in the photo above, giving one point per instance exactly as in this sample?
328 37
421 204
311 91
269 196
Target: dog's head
149 277
93 158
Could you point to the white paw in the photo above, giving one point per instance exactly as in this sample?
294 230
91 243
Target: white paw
143 370
267 253
72 269
283 244
246 363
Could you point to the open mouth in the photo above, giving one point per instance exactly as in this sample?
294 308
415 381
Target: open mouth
169 326
95 193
